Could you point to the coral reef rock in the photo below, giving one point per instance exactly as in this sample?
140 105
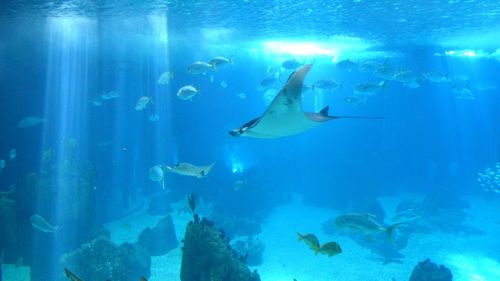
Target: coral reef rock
159 239
101 259
429 271
207 255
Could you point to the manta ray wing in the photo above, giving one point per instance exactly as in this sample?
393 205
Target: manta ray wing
284 115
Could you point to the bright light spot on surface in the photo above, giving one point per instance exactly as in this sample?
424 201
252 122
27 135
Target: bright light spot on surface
217 34
332 47
465 53
299 48
474 268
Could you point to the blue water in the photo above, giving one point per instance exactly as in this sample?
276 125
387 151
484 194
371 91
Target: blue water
58 57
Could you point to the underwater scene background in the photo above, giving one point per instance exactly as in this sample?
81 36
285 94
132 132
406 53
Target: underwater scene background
127 150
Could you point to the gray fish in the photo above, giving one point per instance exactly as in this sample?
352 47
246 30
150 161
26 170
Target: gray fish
325 84
346 65
284 116
38 222
29 121
291 64
188 169
200 67
370 87
219 61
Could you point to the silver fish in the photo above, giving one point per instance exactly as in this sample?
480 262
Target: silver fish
38 222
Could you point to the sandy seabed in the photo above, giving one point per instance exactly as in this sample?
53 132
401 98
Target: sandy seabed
469 257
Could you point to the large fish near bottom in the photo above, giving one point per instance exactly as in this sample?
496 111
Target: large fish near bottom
284 116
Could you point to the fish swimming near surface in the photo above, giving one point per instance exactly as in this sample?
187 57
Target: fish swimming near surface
142 103
291 64
12 154
219 61
370 87
346 64
187 93
330 249
325 84
29 121
188 169
284 116
311 240
366 224
165 77
200 67
71 276
38 222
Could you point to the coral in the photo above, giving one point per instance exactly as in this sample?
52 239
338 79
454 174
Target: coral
429 271
101 259
159 239
207 255
251 249
236 226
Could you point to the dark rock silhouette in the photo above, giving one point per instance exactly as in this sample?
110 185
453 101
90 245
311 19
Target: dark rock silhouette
207 256
159 239
429 271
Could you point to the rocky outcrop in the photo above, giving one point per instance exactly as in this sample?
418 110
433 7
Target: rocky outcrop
160 239
207 255
429 271
251 249
101 259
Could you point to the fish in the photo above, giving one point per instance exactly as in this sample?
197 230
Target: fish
330 249
370 87
12 154
325 84
240 184
219 61
355 99
370 66
191 198
157 174
200 67
110 95
267 83
154 117
187 93
188 169
142 103
291 64
3 164
311 240
97 101
436 77
71 276
405 76
223 84
462 92
29 121
385 72
364 223
346 64
284 116
38 222
242 96
166 77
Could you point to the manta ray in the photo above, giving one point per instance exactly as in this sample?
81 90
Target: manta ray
284 116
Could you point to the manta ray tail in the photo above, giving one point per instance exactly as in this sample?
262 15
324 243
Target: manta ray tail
324 112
